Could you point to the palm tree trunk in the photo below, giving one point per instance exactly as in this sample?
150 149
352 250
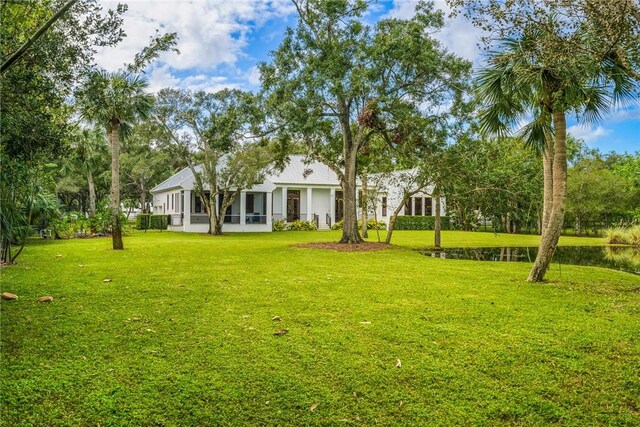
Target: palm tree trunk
547 168
551 234
114 140
92 194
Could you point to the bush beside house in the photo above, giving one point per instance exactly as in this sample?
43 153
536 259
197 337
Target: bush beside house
421 223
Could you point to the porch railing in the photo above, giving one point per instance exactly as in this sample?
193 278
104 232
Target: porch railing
328 220
255 219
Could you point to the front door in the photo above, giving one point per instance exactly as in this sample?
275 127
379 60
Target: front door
339 206
293 205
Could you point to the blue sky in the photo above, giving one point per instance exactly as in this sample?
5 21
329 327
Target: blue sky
222 41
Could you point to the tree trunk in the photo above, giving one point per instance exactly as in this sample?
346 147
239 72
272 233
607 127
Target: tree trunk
143 197
364 205
350 234
114 140
92 194
547 168
394 217
212 212
551 235
437 226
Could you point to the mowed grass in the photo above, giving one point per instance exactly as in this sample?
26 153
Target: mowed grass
183 335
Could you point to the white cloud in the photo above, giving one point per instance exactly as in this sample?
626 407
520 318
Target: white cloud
458 36
162 77
629 112
588 133
211 32
254 76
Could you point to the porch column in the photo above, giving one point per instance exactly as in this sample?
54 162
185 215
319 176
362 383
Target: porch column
269 210
243 207
332 205
413 206
186 209
284 203
309 204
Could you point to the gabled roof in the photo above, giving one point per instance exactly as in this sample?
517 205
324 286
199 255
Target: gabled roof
176 181
297 172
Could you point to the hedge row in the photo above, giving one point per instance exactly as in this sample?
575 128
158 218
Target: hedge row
421 223
152 222
282 225
371 225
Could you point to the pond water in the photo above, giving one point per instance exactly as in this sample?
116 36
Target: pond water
617 258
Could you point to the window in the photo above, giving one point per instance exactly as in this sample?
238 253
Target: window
197 205
249 207
167 201
384 206
256 208
418 205
173 196
407 207
427 206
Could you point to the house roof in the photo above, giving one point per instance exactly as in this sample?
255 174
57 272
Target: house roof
176 181
297 172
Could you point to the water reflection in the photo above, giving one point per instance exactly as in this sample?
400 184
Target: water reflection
618 258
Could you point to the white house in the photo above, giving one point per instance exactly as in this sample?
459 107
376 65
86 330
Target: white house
302 191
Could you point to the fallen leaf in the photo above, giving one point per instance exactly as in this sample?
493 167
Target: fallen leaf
398 363
365 323
276 318
45 299
9 296
313 407
355 394
281 332
106 280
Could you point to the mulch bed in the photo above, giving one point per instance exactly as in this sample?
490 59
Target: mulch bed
342 247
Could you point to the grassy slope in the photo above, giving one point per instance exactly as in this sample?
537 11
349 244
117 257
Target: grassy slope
183 335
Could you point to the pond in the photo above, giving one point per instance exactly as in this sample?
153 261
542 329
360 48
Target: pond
617 258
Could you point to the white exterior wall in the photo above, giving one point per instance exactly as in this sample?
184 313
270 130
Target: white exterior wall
277 212
321 199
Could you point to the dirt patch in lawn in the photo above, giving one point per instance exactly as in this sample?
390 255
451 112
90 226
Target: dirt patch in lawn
341 247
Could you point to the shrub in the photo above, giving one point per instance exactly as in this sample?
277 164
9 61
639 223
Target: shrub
372 224
616 236
302 226
421 223
70 225
633 235
279 225
152 222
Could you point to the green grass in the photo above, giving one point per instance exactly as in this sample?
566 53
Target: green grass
183 335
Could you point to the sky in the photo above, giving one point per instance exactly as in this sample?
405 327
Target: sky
221 42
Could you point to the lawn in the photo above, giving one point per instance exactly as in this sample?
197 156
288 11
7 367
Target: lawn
183 335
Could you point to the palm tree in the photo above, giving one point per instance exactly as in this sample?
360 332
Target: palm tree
115 101
525 80
88 150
